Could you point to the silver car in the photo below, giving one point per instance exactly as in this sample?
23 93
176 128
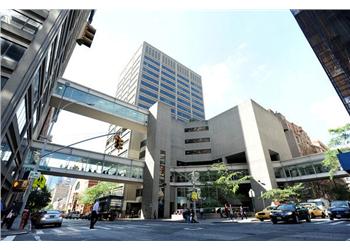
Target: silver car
50 217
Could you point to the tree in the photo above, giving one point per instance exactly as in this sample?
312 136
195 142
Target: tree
286 194
92 193
38 199
339 142
228 182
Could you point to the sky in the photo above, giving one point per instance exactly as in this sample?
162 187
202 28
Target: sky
240 54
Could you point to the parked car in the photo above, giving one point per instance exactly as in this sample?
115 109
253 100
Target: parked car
339 209
265 213
290 212
314 210
321 203
49 217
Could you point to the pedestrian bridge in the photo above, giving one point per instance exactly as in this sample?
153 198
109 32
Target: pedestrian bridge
71 162
84 101
305 168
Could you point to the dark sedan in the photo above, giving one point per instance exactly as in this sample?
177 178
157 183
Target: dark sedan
50 217
290 212
339 209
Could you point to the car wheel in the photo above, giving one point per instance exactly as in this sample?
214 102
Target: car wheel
308 218
323 215
296 219
331 218
312 215
261 219
274 221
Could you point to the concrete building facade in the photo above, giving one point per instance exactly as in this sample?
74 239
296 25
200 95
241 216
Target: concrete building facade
248 138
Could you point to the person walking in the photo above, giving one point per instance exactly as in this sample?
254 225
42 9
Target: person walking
201 212
94 214
242 212
231 212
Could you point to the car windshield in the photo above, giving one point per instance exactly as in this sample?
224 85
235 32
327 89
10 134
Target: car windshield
339 204
53 212
286 207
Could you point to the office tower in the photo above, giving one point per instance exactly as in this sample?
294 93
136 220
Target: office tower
36 46
328 32
152 76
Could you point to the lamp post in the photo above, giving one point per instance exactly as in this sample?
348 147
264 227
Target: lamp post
194 178
252 195
261 193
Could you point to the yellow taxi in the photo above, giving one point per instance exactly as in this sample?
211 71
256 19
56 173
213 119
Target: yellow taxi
314 211
265 213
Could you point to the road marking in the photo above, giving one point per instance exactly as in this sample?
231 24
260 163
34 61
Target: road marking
321 222
57 231
193 229
9 238
39 232
73 229
37 238
106 228
336 223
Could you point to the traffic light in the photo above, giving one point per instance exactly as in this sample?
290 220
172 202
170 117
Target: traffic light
86 35
118 142
19 185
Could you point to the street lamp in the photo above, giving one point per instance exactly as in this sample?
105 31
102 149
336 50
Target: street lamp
252 195
194 178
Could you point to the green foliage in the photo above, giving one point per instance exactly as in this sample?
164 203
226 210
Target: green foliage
291 193
228 182
38 199
92 193
339 141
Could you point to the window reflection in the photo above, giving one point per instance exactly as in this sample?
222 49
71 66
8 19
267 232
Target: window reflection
78 163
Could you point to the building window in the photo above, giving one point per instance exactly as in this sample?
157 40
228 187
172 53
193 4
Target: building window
198 151
6 151
21 116
197 140
3 81
197 129
11 51
20 21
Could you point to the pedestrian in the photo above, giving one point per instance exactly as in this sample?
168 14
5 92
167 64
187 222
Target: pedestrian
10 216
94 214
201 212
242 212
186 215
192 219
231 212
226 211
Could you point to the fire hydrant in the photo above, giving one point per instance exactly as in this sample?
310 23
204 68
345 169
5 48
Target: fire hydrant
24 219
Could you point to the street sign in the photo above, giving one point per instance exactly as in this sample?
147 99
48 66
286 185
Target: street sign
34 175
39 182
251 193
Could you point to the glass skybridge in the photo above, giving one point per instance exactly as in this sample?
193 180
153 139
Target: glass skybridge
82 100
83 164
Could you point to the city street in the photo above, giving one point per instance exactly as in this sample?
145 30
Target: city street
207 230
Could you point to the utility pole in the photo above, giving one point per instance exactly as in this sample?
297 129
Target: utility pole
194 178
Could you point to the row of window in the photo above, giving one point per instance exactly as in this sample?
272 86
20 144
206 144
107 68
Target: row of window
183 101
198 151
155 95
199 109
198 114
168 75
183 78
151 60
167 94
151 72
184 115
166 68
151 86
171 103
300 170
197 140
197 129
168 81
150 66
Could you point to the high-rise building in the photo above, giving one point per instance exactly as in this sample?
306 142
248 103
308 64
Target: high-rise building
152 76
36 46
328 32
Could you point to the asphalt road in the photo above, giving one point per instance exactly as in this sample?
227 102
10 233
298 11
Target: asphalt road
206 230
